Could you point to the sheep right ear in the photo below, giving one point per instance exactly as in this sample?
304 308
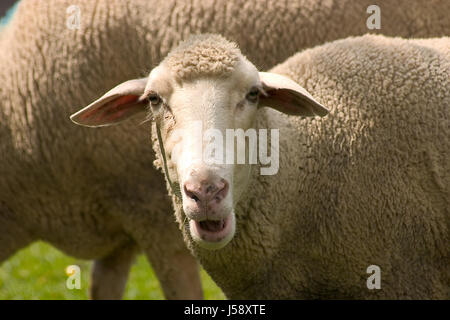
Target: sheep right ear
287 96
116 105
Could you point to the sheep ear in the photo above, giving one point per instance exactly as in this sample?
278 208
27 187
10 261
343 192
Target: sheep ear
116 105
288 97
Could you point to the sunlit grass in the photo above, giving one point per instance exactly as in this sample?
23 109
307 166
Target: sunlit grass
38 272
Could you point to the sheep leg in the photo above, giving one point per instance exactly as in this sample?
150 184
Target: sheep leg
109 274
178 274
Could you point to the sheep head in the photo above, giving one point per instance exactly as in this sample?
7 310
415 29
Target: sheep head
202 97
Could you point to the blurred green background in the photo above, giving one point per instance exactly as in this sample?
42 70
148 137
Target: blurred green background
38 272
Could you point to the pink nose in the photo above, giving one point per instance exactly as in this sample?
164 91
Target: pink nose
206 194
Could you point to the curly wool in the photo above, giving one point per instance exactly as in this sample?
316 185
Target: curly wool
203 55
367 184
89 192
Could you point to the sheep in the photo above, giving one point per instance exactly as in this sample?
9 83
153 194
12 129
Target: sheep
366 185
102 200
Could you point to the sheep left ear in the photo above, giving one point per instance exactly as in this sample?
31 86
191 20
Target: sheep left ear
288 97
118 104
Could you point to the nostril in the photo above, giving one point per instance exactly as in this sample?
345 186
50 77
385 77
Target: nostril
222 190
210 189
191 194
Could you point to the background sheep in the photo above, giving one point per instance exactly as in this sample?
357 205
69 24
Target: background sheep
369 184
92 193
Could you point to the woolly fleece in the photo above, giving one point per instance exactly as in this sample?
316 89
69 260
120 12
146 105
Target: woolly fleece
93 193
369 184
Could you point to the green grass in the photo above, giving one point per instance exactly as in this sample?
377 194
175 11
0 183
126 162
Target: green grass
38 272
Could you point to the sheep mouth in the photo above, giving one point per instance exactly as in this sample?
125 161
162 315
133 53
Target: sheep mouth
212 226
213 234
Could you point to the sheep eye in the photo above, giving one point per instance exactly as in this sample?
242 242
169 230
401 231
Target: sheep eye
253 95
154 99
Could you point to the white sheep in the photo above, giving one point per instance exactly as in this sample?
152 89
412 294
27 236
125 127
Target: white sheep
366 185
93 193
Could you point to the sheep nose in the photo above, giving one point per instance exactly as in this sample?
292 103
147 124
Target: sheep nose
206 193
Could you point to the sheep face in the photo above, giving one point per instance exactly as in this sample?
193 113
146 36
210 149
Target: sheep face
196 108
195 117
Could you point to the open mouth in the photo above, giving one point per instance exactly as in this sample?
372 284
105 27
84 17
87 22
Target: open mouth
212 226
213 231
